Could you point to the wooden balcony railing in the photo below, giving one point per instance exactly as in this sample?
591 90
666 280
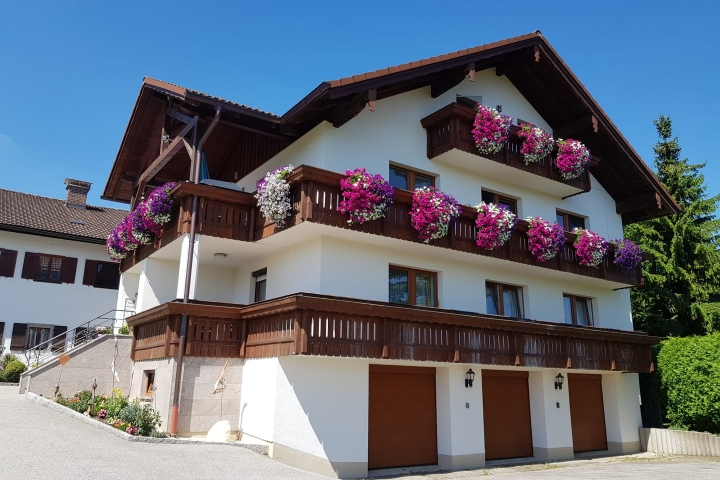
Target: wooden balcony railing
308 324
451 128
315 195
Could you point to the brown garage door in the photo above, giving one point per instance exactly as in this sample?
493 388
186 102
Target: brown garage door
587 412
506 413
402 417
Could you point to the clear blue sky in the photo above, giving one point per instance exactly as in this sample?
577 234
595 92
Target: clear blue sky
70 71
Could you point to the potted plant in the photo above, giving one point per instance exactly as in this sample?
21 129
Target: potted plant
537 143
572 159
628 255
495 225
365 197
157 209
432 213
590 247
545 239
273 195
490 130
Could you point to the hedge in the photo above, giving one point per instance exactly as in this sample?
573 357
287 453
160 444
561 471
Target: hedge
689 370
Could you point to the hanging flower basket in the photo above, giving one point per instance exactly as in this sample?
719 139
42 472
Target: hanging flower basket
432 213
537 143
590 247
365 197
628 255
545 239
157 209
115 246
490 130
495 225
572 158
138 227
273 195
125 234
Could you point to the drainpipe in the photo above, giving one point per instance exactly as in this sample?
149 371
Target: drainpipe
174 410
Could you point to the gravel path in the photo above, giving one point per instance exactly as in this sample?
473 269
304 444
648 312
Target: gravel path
44 444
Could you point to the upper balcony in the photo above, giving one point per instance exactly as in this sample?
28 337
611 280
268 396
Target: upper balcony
315 196
450 140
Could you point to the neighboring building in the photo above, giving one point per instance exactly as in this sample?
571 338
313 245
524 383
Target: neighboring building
54 272
350 347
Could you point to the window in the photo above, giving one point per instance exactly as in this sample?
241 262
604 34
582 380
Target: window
499 200
49 268
260 285
149 382
408 179
504 300
107 275
569 221
578 310
37 336
408 286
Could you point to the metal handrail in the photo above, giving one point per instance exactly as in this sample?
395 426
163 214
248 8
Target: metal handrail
80 335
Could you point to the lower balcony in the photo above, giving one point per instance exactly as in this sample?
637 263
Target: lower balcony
310 324
315 196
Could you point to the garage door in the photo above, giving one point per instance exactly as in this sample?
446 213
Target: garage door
506 413
587 412
402 417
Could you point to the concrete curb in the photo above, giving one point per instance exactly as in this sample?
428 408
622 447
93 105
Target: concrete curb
261 449
679 442
9 384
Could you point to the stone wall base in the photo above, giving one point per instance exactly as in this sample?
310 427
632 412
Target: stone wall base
677 442
311 463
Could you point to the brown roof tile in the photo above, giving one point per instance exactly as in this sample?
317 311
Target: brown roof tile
26 212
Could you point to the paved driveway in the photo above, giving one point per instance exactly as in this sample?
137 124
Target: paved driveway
42 444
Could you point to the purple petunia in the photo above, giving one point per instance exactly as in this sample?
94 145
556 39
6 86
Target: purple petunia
628 255
545 239
490 130
432 213
157 209
590 247
495 225
572 159
365 197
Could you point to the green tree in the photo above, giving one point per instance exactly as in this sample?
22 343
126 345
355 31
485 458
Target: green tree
682 281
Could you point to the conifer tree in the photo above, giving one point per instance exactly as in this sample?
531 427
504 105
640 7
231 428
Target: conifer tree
682 281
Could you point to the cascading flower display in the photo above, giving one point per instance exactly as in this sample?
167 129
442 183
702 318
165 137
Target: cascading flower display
572 158
273 195
628 255
537 143
495 225
432 213
590 247
157 209
365 197
115 246
139 228
490 130
545 239
125 234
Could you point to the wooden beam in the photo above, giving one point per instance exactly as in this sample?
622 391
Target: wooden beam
350 110
445 83
372 98
639 202
255 130
170 112
579 125
471 71
188 147
536 49
165 155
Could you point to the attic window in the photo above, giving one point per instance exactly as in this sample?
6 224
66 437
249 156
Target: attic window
77 222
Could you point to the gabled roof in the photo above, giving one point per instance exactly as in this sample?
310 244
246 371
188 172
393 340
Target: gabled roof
50 217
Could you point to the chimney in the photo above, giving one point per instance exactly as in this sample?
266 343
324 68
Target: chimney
77 193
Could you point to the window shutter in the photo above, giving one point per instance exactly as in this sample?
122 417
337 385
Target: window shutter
17 342
67 270
7 262
2 332
90 272
31 266
58 345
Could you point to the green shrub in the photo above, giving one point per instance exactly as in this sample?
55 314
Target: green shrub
141 416
124 330
12 372
690 373
6 359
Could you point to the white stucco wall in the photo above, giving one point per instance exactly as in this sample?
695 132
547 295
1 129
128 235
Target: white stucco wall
549 411
460 428
216 284
27 301
258 395
158 283
621 400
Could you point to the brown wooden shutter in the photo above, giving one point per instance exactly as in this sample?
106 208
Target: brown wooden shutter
90 272
58 345
7 262
17 342
67 270
31 266
2 332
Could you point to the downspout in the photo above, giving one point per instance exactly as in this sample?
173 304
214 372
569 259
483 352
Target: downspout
174 410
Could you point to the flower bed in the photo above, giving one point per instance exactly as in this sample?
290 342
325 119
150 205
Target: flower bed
545 239
572 159
490 130
118 411
432 213
591 248
365 197
537 144
273 195
495 225
628 255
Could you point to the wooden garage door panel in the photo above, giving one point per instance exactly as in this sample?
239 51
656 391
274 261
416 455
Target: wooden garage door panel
506 412
402 418
587 412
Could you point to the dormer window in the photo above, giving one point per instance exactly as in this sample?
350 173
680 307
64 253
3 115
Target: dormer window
407 179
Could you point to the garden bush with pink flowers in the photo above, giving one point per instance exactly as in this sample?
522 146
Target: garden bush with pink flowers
590 247
432 213
490 130
365 197
495 225
545 239
537 143
573 158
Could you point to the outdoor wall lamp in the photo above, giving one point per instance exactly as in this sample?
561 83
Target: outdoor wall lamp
559 381
469 377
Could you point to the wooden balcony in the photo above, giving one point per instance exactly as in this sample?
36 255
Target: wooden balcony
308 324
450 129
316 194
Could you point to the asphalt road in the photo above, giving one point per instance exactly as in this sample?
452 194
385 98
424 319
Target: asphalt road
40 444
